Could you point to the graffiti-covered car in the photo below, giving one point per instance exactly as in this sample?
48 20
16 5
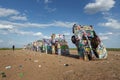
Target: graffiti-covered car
59 44
88 43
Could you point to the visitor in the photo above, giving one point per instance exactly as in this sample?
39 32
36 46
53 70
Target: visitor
13 47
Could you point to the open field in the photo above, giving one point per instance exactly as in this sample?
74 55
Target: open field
29 65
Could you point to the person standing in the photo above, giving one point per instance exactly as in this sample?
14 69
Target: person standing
13 47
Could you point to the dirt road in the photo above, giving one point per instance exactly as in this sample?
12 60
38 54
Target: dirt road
29 65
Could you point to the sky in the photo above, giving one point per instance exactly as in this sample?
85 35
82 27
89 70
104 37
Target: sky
25 21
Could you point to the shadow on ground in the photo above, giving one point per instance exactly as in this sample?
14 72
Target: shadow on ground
72 56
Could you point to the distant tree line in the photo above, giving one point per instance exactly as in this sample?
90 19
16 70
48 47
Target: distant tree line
113 49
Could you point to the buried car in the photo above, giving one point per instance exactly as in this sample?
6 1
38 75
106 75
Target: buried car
88 43
59 44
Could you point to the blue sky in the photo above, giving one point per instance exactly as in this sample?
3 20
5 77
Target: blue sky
24 21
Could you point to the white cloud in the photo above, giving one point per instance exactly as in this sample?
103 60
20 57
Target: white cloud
104 37
107 14
66 33
108 33
63 24
4 12
28 24
16 31
23 32
29 33
50 9
111 23
24 18
46 37
37 34
68 39
99 5
3 26
36 25
12 14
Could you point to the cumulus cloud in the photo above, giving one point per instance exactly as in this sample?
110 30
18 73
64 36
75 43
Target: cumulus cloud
99 5
23 18
111 23
4 12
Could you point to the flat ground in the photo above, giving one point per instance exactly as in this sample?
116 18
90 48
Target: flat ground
29 65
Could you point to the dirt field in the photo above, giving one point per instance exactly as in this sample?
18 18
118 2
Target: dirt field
28 65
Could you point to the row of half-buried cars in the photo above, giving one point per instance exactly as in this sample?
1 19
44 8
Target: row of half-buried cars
88 44
55 45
